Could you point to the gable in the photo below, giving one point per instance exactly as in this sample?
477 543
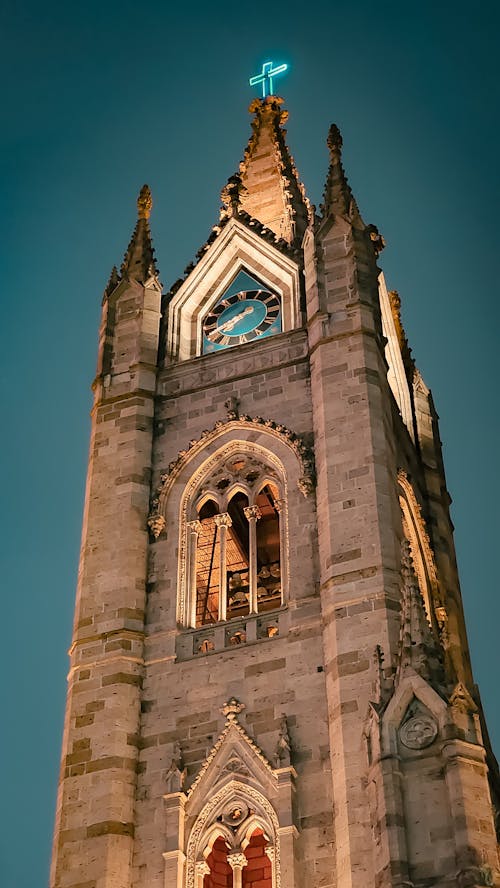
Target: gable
236 251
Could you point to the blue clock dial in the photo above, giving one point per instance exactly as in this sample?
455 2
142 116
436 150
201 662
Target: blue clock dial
241 317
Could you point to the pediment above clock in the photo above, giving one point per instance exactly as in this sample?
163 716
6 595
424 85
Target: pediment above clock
236 250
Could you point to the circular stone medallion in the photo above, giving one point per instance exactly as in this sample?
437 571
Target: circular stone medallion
418 732
234 815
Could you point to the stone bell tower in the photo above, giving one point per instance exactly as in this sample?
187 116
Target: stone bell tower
270 684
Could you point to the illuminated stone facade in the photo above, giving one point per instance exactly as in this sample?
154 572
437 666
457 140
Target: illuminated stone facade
270 685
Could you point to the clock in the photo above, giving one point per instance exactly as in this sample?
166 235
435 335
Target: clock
241 317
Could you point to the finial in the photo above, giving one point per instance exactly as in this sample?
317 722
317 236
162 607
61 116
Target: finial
334 140
232 709
144 202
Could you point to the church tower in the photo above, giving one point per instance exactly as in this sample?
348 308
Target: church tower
270 685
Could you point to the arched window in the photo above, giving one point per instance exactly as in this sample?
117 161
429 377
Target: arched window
236 848
235 541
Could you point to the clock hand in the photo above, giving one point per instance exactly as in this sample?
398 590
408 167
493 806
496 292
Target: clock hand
231 323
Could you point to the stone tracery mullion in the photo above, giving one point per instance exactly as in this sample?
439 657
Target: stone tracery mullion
223 521
234 448
194 529
252 514
237 861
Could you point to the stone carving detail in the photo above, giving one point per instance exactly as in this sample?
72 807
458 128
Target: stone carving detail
232 709
234 815
257 801
156 522
418 732
283 747
237 860
376 239
144 202
176 774
232 406
295 442
236 766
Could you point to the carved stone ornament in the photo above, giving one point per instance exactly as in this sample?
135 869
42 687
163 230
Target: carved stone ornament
237 860
418 732
232 709
156 524
304 453
283 746
176 774
144 202
234 815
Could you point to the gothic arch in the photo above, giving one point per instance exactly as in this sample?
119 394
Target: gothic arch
420 548
264 430
233 793
257 460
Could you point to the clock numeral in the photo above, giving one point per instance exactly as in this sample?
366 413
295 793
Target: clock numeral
225 340
243 338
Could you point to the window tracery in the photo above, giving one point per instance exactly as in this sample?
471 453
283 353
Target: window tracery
233 844
235 541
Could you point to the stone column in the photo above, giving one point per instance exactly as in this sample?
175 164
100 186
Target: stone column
202 869
223 521
270 851
173 856
194 529
252 514
279 505
237 861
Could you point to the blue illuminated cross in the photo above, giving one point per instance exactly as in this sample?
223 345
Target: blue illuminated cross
266 77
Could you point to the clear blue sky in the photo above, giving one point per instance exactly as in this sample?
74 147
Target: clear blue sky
100 97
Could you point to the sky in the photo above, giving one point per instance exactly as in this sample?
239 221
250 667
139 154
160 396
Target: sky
100 97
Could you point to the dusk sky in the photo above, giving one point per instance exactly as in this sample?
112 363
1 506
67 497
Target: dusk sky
100 97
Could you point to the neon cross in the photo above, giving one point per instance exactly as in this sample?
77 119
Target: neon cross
266 77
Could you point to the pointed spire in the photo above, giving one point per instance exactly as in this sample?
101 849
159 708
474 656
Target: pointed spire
419 650
139 262
382 684
338 199
267 186
113 281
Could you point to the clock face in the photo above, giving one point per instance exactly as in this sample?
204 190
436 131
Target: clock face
240 317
